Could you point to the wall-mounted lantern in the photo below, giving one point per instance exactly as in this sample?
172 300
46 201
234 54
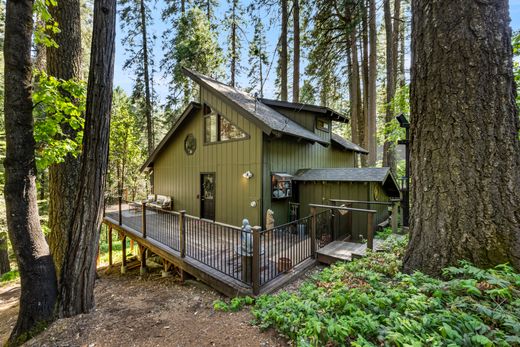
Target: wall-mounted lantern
247 175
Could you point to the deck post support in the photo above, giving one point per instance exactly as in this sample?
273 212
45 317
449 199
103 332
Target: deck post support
395 217
255 271
120 202
123 248
182 233
143 220
109 247
370 231
143 269
313 232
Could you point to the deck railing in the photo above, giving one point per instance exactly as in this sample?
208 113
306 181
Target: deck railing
254 257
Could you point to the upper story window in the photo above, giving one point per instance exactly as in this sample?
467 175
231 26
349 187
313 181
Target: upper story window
323 124
218 129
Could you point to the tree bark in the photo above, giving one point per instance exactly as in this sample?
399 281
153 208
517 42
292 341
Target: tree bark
372 85
37 274
364 120
64 62
283 52
355 89
79 269
389 147
5 266
146 72
296 51
233 64
465 153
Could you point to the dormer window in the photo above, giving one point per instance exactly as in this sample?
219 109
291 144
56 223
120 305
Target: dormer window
322 124
219 129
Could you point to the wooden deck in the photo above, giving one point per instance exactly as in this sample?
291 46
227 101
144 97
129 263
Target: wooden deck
212 250
346 251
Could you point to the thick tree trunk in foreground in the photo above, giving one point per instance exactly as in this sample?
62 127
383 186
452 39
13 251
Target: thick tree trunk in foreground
64 63
464 137
79 269
296 52
283 52
37 275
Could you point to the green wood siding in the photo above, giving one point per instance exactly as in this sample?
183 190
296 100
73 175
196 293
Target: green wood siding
178 175
288 155
307 120
322 192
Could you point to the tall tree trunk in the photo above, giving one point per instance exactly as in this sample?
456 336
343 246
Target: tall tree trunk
5 266
355 90
372 87
389 147
147 92
283 52
37 274
64 62
79 269
233 64
296 51
465 152
364 120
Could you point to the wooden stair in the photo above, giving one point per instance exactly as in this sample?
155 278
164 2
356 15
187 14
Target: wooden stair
345 251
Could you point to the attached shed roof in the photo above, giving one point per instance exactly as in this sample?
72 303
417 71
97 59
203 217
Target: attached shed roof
262 115
297 106
343 142
381 175
193 106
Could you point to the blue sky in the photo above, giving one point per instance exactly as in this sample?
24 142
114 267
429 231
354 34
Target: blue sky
124 78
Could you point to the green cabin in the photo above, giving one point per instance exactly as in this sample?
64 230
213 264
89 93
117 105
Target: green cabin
232 156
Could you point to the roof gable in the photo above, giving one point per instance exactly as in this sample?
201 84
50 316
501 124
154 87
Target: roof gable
262 115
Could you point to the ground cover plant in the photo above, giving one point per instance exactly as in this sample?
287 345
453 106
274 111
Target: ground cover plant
369 302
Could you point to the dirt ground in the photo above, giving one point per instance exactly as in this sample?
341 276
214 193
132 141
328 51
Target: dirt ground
147 311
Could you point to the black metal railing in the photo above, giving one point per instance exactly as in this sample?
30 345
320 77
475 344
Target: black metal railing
253 257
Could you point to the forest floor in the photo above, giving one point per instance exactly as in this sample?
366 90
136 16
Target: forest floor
136 311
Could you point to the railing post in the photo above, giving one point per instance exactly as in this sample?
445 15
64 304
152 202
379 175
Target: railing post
143 220
395 217
370 231
123 261
143 268
109 246
120 202
313 231
255 271
182 233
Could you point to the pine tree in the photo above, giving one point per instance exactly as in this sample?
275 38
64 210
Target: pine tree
136 20
233 21
257 57
194 47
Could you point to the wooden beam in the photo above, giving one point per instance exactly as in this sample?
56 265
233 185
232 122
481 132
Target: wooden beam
313 232
123 249
142 251
395 217
370 231
256 260
109 246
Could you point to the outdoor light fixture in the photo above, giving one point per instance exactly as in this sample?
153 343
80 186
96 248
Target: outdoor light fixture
248 174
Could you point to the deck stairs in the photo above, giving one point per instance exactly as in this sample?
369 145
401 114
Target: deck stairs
345 251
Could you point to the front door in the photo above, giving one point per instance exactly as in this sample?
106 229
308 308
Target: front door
207 196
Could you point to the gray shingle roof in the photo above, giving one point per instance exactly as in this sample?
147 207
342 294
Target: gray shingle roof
343 142
269 119
372 174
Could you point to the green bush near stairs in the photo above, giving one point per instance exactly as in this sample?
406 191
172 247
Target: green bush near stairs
369 302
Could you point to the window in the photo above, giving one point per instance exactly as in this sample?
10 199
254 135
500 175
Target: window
281 184
218 129
322 124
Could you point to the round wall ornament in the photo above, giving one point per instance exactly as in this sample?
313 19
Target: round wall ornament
190 144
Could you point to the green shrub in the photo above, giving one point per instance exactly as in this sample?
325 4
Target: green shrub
9 276
369 302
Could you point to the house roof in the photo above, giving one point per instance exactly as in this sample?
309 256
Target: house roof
268 119
193 106
381 175
346 144
297 106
